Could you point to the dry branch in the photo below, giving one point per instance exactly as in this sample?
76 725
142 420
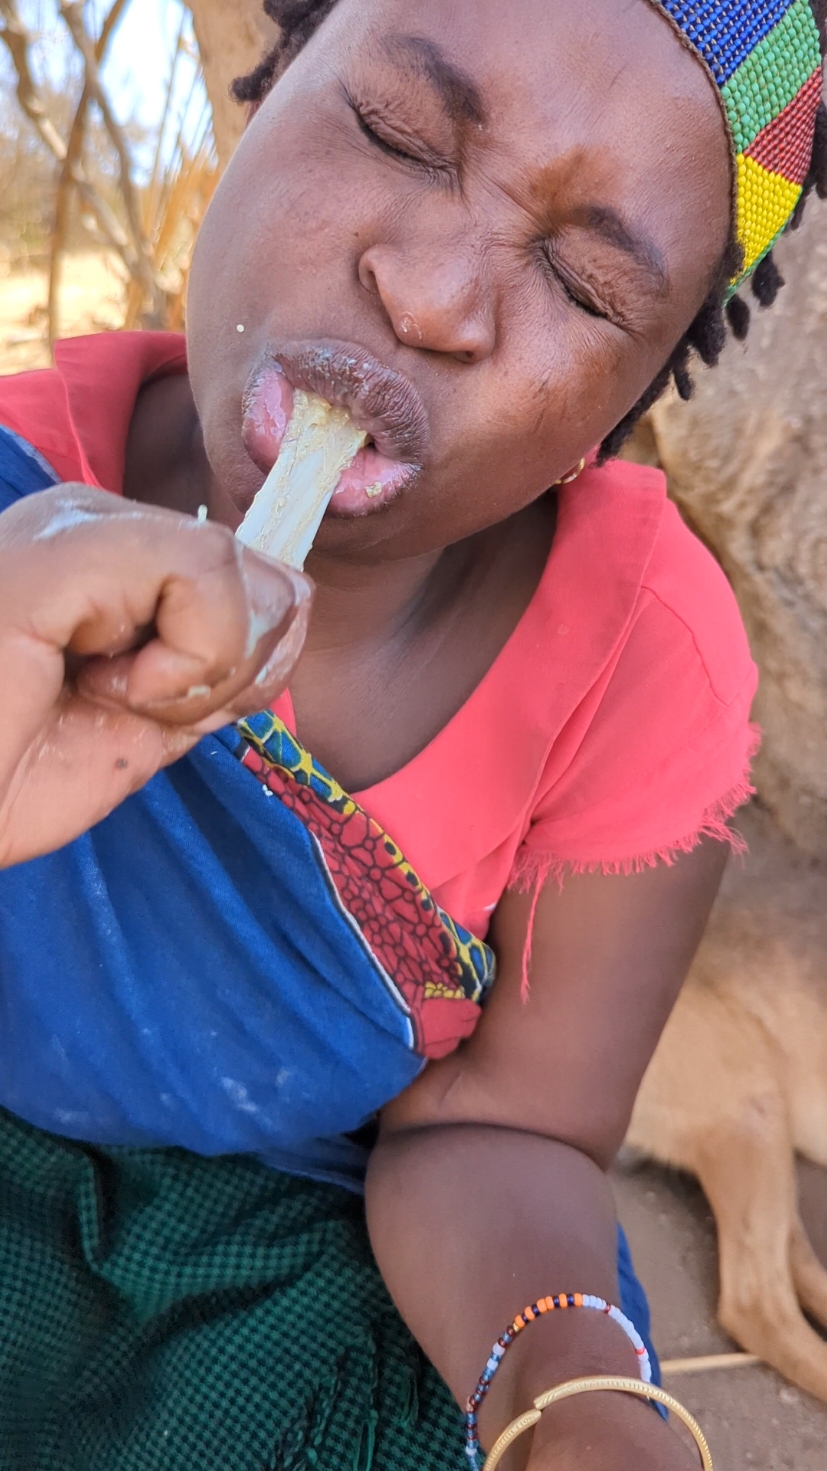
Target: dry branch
72 13
18 42
155 241
74 152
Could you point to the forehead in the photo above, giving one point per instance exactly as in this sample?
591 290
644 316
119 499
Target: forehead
598 94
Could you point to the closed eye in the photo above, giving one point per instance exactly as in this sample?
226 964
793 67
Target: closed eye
385 137
576 291
379 142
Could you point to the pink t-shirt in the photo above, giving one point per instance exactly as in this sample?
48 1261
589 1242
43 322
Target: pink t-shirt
611 732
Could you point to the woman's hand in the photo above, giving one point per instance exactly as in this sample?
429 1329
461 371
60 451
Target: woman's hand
126 633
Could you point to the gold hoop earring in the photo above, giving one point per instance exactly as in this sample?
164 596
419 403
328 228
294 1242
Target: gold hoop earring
573 474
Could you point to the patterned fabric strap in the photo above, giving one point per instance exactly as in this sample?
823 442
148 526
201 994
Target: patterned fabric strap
440 972
764 56
565 1300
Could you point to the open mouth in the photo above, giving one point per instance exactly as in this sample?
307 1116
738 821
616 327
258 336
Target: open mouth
370 480
380 401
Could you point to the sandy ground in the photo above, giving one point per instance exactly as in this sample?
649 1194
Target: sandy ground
91 300
753 1420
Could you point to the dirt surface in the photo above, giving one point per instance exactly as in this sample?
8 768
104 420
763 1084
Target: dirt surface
91 300
750 1416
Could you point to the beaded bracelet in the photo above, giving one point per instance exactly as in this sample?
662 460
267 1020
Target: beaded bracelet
543 1305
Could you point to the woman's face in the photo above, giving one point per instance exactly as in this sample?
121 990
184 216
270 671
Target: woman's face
501 216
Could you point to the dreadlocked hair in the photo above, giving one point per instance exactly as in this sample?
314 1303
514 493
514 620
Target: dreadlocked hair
707 333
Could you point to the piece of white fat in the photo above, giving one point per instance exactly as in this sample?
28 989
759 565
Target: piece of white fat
319 443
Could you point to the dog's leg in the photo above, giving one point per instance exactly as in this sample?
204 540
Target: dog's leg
809 1274
746 1167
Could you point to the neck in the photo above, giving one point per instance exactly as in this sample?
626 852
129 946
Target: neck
359 606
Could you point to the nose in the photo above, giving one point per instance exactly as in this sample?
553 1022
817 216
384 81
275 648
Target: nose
437 302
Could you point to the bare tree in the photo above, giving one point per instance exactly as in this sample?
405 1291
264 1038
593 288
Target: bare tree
18 42
231 39
149 222
72 158
130 243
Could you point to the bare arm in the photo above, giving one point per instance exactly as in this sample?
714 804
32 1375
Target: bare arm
488 1187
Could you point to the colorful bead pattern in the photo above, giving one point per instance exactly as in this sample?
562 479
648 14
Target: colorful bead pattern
543 1305
764 56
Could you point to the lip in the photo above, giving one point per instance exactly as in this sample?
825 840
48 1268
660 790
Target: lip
381 401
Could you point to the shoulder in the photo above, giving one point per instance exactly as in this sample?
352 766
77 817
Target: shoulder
656 753
681 674
34 407
685 590
631 585
77 414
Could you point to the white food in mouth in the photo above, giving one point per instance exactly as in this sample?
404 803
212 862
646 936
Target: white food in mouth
320 441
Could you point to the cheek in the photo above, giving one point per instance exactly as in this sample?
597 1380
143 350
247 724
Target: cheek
271 255
298 200
548 402
558 384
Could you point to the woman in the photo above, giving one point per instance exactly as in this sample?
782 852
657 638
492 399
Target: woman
493 233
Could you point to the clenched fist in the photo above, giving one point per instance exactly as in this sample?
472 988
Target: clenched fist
126 633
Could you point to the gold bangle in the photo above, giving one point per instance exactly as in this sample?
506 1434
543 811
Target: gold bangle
584 1386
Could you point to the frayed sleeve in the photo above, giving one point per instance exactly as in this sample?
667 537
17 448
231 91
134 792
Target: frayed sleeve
661 758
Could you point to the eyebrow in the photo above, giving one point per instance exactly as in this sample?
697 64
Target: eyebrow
458 93
604 221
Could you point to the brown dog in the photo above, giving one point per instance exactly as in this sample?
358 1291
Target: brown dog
738 1086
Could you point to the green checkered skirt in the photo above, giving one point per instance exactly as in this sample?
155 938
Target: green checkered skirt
164 1312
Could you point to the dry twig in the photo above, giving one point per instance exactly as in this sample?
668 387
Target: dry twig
72 13
74 152
708 1362
162 218
18 43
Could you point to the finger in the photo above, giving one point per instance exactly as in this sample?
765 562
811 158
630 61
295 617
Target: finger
262 596
273 675
86 573
81 570
171 685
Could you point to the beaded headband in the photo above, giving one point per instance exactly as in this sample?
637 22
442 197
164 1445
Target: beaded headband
764 56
